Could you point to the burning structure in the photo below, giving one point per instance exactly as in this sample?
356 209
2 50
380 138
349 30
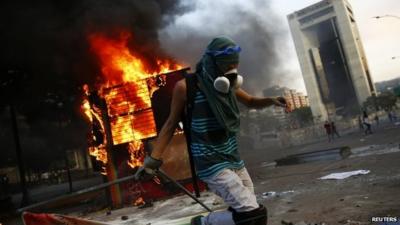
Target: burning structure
332 58
126 111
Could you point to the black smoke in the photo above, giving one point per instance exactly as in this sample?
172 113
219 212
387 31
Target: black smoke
252 24
45 58
49 39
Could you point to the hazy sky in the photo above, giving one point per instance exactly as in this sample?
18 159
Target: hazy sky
261 28
381 38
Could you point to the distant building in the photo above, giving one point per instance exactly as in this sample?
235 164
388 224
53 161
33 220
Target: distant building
332 58
295 99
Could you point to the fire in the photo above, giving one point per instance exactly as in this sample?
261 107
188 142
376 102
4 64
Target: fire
127 87
139 201
120 64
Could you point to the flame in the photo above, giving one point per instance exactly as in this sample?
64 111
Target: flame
120 64
129 80
139 201
136 151
87 110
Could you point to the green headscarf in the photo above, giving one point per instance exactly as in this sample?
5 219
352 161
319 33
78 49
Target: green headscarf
224 106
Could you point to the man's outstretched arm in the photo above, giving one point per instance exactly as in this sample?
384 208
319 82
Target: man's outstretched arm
168 129
258 102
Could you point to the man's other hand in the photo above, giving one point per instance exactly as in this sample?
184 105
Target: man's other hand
146 171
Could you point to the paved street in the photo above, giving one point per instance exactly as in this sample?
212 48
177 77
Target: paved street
296 193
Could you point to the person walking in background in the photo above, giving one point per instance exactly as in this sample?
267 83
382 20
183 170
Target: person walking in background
328 130
376 120
390 116
360 123
394 116
334 130
367 125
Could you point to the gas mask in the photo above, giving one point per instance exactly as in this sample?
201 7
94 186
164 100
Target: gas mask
231 79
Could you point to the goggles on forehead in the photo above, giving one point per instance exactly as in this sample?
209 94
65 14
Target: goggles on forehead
226 51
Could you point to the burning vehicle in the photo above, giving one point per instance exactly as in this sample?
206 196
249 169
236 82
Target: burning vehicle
126 111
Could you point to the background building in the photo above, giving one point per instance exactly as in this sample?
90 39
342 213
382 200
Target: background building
332 59
294 98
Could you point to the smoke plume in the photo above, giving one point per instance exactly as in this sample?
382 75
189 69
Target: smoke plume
252 24
50 38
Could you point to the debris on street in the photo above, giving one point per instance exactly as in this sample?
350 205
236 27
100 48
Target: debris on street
344 175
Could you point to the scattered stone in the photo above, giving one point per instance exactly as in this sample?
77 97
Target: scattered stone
108 213
217 202
301 223
342 199
293 210
269 194
124 217
358 206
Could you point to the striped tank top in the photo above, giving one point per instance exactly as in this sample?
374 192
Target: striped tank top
213 148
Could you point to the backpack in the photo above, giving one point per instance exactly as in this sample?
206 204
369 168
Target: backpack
191 89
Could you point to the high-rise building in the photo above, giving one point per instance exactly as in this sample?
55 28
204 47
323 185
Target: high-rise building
332 58
295 99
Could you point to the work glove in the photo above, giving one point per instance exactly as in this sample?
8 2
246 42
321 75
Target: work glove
281 101
147 170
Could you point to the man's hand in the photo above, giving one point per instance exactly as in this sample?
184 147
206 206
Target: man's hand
150 164
280 101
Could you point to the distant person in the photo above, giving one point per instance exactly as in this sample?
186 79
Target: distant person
328 130
360 123
376 118
394 116
367 125
390 116
365 114
334 130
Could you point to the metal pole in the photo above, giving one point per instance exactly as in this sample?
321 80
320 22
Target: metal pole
20 161
77 193
60 105
163 174
68 172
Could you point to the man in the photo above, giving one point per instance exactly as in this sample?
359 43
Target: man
367 125
334 130
328 130
215 123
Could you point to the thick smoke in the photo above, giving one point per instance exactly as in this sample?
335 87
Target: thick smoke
252 24
49 39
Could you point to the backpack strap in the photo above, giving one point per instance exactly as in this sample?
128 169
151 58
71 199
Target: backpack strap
191 89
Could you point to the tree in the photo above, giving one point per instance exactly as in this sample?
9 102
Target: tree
397 91
386 101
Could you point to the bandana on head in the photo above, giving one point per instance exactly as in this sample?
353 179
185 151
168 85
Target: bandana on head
221 53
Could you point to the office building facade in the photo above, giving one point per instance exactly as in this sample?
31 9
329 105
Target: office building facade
332 58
